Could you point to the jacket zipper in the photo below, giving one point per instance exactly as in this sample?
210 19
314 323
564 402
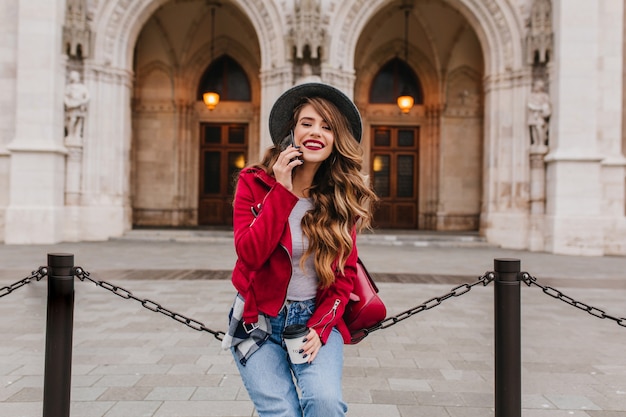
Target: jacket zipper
256 211
332 311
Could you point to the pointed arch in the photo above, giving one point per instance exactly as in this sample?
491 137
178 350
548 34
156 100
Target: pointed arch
196 64
495 24
121 21
421 64
393 79
227 78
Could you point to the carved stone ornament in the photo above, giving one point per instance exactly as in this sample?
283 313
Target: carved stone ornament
306 29
540 36
76 32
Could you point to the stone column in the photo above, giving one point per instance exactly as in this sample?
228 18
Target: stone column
105 189
273 83
613 141
186 197
431 137
37 168
73 187
574 218
343 80
537 197
8 78
73 174
504 213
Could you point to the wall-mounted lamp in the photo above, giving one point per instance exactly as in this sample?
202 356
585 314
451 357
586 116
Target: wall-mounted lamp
405 101
211 98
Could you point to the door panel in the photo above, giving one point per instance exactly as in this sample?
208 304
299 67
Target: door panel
222 154
395 176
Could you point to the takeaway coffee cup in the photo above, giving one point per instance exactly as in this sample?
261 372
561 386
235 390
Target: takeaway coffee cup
294 335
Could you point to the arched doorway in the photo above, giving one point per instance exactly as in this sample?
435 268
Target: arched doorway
427 163
185 155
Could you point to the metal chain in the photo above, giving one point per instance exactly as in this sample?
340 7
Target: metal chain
36 275
554 293
83 275
485 279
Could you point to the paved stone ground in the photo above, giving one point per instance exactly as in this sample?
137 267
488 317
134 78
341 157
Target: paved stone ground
131 362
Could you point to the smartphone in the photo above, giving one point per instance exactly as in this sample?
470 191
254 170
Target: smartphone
289 140
293 142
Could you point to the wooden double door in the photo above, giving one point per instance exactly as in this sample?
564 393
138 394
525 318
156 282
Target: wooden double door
394 173
223 150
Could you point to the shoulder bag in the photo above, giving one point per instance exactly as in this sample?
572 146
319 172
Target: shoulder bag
365 308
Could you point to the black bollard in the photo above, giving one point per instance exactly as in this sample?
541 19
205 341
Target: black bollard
508 358
59 328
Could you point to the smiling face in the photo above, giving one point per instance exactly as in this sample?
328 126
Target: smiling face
314 136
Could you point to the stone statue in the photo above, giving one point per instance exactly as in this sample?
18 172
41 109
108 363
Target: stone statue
76 99
539 111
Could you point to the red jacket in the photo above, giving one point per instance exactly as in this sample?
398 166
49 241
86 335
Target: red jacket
263 245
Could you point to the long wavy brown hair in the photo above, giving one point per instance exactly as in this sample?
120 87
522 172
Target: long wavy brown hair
342 197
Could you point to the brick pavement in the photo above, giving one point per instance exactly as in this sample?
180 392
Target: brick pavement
128 361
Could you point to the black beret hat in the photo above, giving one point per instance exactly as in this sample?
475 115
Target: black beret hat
282 111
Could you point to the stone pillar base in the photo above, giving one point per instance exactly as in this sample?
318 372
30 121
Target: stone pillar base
575 235
35 210
33 225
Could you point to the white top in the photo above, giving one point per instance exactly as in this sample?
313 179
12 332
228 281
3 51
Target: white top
303 284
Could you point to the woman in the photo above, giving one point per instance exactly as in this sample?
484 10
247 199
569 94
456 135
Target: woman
295 219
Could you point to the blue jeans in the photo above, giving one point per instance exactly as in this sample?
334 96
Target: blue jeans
268 375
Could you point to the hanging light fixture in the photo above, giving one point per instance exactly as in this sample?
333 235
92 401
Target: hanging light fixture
405 101
211 98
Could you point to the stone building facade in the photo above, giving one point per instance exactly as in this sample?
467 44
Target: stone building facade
516 131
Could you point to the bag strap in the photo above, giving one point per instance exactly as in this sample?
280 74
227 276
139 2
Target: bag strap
367 274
